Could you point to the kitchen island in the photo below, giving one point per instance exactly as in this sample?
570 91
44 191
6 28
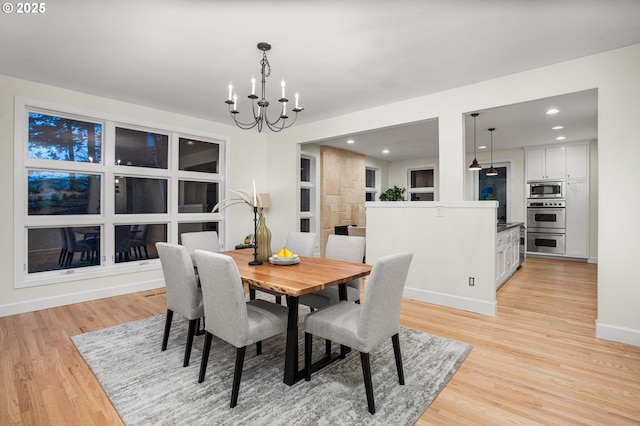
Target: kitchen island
509 250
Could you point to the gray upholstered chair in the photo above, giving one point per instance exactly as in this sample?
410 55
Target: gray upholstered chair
302 243
205 240
363 327
183 294
229 316
339 247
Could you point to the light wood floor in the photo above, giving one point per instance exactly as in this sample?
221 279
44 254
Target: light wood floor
536 362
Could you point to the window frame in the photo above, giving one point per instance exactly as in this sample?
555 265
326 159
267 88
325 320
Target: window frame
423 190
311 215
375 190
108 170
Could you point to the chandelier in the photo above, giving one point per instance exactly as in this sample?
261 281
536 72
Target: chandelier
259 105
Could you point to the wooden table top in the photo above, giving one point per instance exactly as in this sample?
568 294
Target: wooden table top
311 274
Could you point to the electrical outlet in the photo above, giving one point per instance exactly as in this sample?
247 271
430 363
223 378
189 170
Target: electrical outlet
472 281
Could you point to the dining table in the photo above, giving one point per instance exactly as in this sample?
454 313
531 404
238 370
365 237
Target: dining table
292 281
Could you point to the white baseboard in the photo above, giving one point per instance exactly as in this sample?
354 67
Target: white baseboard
69 299
450 301
592 260
617 334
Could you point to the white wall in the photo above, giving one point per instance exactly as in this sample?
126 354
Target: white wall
247 151
614 74
450 242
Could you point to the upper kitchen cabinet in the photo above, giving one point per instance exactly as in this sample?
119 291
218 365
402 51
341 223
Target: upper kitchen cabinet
577 161
558 162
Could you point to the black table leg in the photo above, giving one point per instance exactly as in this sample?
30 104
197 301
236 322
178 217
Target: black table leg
291 374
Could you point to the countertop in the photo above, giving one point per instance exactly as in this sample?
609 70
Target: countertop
503 226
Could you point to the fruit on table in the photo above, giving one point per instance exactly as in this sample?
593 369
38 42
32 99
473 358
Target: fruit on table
285 252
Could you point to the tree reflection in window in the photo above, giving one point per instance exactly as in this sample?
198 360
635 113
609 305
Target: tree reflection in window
64 139
63 193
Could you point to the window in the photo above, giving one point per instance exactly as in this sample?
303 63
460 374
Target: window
422 184
371 183
307 193
495 188
78 212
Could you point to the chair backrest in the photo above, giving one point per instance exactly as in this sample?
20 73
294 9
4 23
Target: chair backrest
205 240
302 243
183 295
380 315
224 301
343 247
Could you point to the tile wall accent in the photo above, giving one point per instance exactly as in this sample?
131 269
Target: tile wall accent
342 191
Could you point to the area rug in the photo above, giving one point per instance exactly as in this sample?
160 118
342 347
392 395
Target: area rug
150 387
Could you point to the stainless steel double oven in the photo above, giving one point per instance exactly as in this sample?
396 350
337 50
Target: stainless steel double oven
546 219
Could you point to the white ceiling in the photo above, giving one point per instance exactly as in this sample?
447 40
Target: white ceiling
340 55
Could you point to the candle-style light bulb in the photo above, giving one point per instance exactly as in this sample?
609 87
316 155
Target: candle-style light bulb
284 108
282 84
253 86
255 198
235 102
297 99
230 90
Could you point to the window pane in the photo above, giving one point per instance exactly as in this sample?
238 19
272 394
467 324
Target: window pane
198 156
197 197
305 225
305 169
61 193
370 178
140 195
138 241
50 249
305 199
495 188
370 196
64 139
422 196
196 227
422 178
141 149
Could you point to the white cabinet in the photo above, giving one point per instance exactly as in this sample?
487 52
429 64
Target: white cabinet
546 163
507 254
577 161
560 162
577 218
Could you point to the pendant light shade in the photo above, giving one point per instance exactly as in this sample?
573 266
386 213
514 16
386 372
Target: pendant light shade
492 171
474 165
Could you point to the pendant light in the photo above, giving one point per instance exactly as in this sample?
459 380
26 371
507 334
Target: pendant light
474 165
492 171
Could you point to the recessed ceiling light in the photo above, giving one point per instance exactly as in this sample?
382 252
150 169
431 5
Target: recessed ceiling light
560 138
557 127
482 147
385 151
553 111
350 141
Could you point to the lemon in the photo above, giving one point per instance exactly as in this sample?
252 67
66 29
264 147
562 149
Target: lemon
285 252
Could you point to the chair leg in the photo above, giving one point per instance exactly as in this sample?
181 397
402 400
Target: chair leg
327 347
167 327
368 386
396 350
259 348
208 337
308 341
193 324
237 375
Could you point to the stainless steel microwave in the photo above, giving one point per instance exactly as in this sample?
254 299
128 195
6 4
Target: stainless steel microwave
545 189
